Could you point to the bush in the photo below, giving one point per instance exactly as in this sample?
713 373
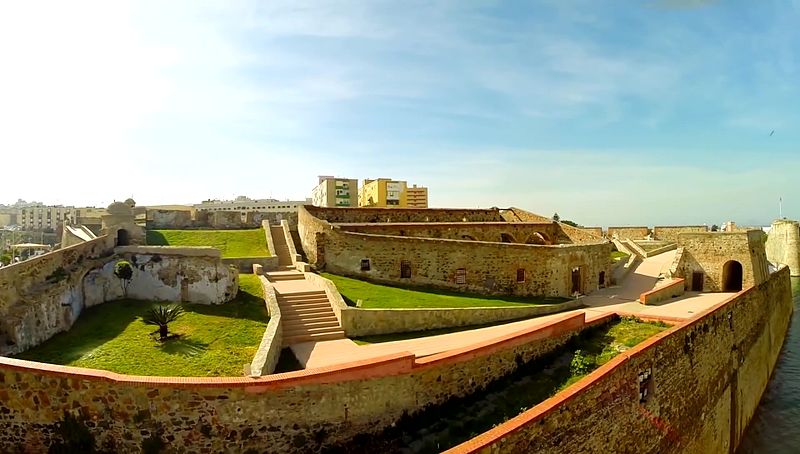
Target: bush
582 364
123 270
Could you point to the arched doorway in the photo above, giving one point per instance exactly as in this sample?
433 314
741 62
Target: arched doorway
577 286
538 238
732 276
602 279
123 238
507 238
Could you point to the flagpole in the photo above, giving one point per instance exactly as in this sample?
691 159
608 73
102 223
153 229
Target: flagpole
780 207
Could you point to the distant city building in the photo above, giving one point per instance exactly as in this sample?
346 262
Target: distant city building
8 216
382 193
417 197
41 217
335 192
244 204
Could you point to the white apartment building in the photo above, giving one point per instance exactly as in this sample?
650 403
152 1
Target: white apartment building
244 204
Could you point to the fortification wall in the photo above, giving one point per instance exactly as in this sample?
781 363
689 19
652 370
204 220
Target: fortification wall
191 275
708 253
370 215
43 296
170 219
628 233
670 233
704 380
303 410
525 233
486 268
783 245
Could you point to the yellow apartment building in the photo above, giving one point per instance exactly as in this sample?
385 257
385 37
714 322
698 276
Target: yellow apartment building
383 193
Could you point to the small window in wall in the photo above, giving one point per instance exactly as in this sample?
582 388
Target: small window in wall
364 264
461 276
521 275
405 269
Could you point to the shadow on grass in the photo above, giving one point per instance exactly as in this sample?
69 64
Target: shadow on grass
155 238
95 327
183 346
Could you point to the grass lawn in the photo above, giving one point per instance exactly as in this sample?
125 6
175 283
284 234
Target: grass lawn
232 243
377 296
617 256
214 340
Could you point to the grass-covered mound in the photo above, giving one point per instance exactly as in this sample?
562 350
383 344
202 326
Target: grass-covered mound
212 340
232 243
377 296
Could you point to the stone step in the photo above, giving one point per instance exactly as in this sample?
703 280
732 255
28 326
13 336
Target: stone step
320 309
317 337
310 317
303 327
279 278
302 292
290 297
298 304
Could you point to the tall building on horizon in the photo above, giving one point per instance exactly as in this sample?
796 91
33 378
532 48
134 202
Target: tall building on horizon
417 197
335 192
383 193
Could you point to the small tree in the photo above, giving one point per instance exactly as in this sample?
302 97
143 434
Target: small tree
123 270
714 228
161 316
556 217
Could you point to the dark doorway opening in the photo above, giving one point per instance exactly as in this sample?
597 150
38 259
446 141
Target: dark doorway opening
697 281
576 281
405 269
507 238
602 279
122 238
732 276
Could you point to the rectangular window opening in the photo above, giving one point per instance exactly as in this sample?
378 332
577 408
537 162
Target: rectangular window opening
520 275
364 264
405 269
461 276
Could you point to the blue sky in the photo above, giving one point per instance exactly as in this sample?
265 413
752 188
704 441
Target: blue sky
608 112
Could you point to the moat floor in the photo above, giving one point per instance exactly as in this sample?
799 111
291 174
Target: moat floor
615 299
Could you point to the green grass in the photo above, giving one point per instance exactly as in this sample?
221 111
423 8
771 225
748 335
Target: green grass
617 256
377 296
214 340
232 243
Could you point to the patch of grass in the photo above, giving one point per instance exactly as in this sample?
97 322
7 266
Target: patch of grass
616 256
232 243
378 296
214 340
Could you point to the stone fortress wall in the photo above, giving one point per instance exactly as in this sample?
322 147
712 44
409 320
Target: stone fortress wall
45 295
162 219
783 244
373 249
671 233
717 257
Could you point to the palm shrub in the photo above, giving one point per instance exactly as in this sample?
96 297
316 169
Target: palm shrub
161 316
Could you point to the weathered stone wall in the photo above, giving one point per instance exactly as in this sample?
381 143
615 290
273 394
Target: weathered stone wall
312 232
628 233
43 296
567 233
670 290
501 232
369 215
783 245
709 252
245 264
670 233
303 410
705 380
489 268
269 350
162 273
170 219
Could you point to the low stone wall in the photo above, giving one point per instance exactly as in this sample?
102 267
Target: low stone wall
245 264
663 293
704 379
269 351
517 232
670 233
305 410
287 236
628 233
269 239
365 215
356 321
164 273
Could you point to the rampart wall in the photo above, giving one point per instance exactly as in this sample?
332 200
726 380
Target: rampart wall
501 232
783 245
303 410
628 233
487 268
704 380
370 215
222 220
43 295
670 233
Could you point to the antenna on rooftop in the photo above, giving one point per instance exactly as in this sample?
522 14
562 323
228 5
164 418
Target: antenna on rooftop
780 207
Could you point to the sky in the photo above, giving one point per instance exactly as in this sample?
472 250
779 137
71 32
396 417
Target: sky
645 112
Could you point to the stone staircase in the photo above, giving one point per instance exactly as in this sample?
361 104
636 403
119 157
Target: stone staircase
306 313
281 247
